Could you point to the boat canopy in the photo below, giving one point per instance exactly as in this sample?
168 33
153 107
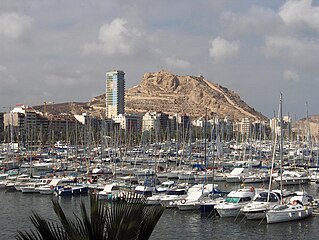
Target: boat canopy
236 171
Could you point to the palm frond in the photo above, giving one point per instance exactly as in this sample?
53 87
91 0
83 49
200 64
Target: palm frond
28 236
44 230
93 224
130 219
68 225
151 216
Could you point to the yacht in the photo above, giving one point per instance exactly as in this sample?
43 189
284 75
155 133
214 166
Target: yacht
235 176
290 177
17 182
110 192
257 178
49 189
32 186
234 201
195 196
262 202
170 198
173 196
70 190
165 186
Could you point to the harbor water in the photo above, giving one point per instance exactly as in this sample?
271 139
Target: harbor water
17 207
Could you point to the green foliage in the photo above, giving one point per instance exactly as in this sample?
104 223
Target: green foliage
130 219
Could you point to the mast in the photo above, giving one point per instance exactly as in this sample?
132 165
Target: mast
205 150
281 143
308 138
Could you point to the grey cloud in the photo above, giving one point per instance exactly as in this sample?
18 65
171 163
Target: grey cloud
300 13
221 49
13 25
290 76
114 38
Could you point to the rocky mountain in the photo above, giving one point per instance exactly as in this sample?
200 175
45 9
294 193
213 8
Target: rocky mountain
305 127
170 93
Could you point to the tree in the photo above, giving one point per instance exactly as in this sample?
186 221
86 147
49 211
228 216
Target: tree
127 219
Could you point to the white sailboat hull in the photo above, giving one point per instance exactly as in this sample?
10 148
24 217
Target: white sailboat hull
288 214
257 210
189 206
228 210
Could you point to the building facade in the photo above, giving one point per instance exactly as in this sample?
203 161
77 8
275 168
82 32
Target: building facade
129 122
115 93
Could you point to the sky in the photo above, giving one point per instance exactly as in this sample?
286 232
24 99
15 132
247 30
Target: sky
59 51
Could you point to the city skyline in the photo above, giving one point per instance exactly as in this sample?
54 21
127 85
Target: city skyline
57 51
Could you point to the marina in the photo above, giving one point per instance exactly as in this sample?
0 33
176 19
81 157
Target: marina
255 178
192 189
143 112
174 224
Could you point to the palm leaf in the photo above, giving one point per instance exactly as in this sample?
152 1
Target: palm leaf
151 216
45 230
132 219
124 218
129 220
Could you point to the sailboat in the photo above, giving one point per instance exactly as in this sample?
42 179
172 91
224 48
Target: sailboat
299 206
207 205
265 200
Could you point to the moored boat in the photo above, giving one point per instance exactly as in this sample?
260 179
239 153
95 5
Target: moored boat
263 202
298 208
71 190
234 201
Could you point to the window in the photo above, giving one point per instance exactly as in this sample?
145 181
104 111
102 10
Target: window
232 199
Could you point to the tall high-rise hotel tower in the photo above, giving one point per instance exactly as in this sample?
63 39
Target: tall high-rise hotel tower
115 93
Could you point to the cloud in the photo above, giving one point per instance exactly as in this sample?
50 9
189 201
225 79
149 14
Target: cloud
3 69
55 81
258 20
13 25
221 49
176 63
280 46
300 13
7 79
290 76
114 38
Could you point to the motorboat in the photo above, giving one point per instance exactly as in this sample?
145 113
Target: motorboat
32 187
146 188
70 190
146 191
173 196
262 202
207 204
165 186
3 180
18 181
235 176
234 201
290 177
170 198
49 189
256 178
196 194
110 192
